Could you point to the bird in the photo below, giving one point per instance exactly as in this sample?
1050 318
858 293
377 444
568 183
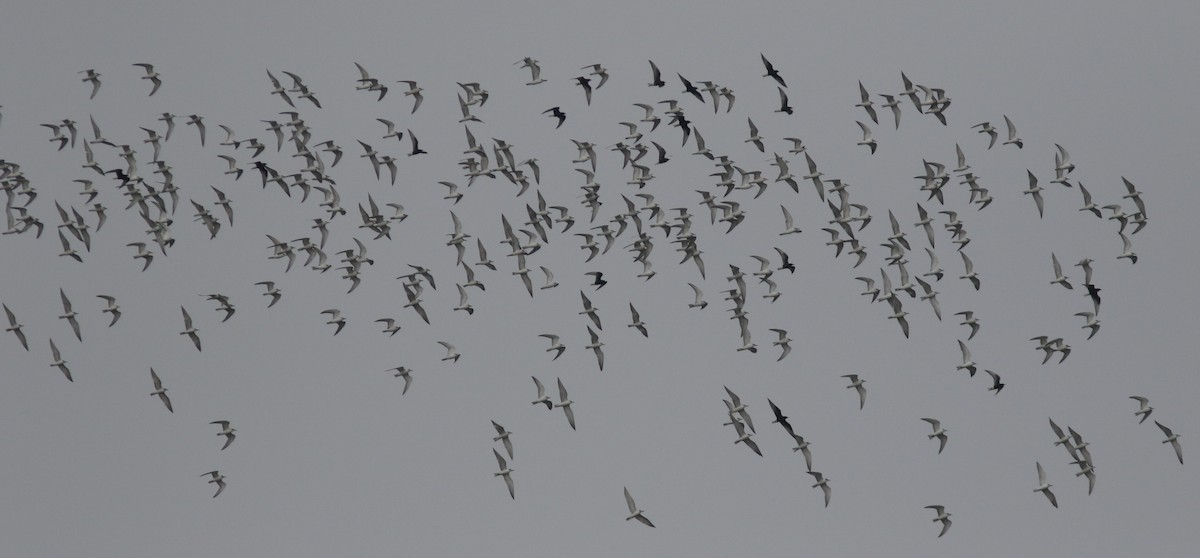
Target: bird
938 432
655 76
942 516
565 402
541 395
389 326
152 76
452 354
771 71
1012 138
969 271
1044 487
634 512
868 106
226 431
556 112
15 327
59 362
867 139
335 318
415 92
188 329
272 292
699 302
743 436
218 479
996 385
403 372
555 345
822 482
986 128
967 363
160 391
1092 322
1172 438
783 342
1144 408
595 346
783 102
1058 273
858 385
94 78
503 435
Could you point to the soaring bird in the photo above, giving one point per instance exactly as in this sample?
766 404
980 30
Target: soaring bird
160 391
938 432
858 385
503 435
226 431
1044 487
634 512
942 516
1172 439
218 479
565 402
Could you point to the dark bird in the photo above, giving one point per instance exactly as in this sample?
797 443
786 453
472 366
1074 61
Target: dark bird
783 102
598 279
556 112
771 71
655 76
689 88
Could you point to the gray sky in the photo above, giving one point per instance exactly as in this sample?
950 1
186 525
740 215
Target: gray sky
331 459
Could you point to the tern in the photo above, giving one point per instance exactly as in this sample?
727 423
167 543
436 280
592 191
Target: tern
938 432
634 512
218 479
93 77
565 402
226 431
771 71
986 128
541 395
503 435
1044 487
335 318
1058 273
967 363
69 314
15 327
942 516
858 385
272 291
996 385
555 345
783 342
59 362
403 372
188 330
743 436
1012 138
699 302
152 76
867 140
1092 322
1144 408
1172 438
822 482
504 472
389 326
969 271
637 321
160 391
595 346
452 354
738 407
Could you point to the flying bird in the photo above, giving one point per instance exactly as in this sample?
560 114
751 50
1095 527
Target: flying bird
226 431
858 385
771 71
59 362
1044 487
938 432
942 516
565 402
634 512
160 391
188 329
503 435
15 327
152 76
218 479
1172 439
1144 408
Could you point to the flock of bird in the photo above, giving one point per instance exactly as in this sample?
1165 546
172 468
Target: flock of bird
154 199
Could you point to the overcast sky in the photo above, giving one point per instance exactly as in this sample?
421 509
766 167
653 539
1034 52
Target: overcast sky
330 459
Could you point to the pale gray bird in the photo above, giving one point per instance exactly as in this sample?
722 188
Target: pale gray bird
541 395
69 314
1044 487
637 321
226 431
1144 408
938 432
160 391
188 329
942 516
565 402
403 372
15 327
858 385
504 472
824 484
59 362
112 308
218 479
634 512
1172 438
503 436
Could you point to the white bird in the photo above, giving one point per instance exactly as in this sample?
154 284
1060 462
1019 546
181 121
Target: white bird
824 484
1144 408
867 140
1128 252
784 342
15 327
700 302
967 363
451 353
503 435
637 321
541 394
942 516
218 479
504 472
969 271
1058 273
1092 322
1036 191
59 362
69 314
788 223
1012 138
565 402
188 330
938 432
403 372
1173 439
272 292
858 385
93 77
152 76
634 512
112 308
1044 487
160 391
335 318
595 346
226 431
